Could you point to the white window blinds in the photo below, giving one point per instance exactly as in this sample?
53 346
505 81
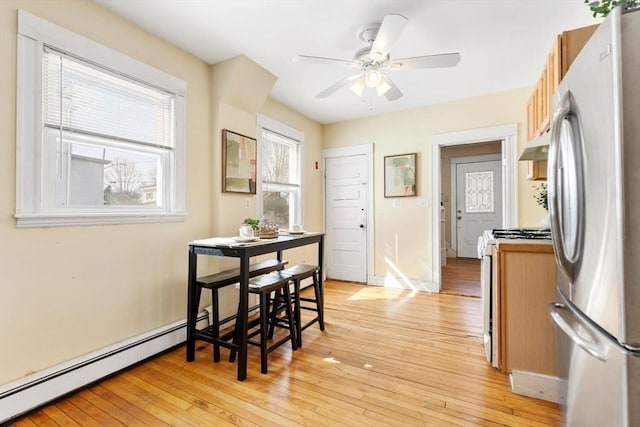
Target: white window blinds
280 159
79 96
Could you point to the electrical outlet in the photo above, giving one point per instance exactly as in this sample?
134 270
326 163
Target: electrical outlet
247 203
395 203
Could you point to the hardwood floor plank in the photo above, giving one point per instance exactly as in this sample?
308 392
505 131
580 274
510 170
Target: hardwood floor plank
59 417
93 397
42 419
26 422
461 276
101 417
141 416
388 357
76 414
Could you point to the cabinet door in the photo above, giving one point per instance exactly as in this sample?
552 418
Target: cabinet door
527 278
531 118
572 43
537 170
554 69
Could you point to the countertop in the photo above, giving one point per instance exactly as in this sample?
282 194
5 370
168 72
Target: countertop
524 245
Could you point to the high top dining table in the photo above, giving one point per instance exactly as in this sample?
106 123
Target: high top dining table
227 247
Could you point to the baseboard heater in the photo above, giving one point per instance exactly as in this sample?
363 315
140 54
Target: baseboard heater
28 393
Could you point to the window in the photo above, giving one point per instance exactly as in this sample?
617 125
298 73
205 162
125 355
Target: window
279 164
108 130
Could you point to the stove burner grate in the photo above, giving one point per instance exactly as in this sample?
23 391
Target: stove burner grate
522 233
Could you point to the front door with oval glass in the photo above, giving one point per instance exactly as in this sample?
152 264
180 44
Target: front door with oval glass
478 203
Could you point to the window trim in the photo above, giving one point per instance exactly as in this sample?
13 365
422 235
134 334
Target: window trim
269 124
33 34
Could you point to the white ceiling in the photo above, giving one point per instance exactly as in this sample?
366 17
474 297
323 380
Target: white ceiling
503 43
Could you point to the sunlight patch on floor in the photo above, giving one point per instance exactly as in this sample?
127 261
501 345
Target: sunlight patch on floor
376 292
396 278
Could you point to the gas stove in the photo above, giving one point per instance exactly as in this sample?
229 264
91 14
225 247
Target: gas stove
522 233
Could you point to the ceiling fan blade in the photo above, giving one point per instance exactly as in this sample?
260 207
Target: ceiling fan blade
429 61
389 31
325 61
338 85
393 93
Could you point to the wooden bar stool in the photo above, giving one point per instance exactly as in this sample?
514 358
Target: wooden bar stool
217 281
263 286
297 274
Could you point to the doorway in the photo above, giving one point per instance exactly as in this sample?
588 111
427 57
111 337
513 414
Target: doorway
506 137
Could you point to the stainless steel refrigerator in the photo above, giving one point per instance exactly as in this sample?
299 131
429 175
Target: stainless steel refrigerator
594 200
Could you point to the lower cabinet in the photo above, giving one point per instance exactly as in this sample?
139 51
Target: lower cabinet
526 280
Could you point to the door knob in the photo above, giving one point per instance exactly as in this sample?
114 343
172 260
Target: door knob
361 225
459 217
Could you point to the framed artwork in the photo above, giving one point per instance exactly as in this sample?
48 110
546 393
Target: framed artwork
238 163
400 175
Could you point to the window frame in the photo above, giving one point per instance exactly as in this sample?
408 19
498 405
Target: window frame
268 124
31 188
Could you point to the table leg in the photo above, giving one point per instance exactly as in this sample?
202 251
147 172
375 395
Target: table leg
321 272
242 319
193 299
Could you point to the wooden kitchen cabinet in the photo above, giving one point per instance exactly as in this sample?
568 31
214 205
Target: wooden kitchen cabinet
526 283
539 107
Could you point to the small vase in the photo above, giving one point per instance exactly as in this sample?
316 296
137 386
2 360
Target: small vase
246 231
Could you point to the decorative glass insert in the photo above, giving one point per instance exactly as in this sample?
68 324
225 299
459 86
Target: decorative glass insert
479 192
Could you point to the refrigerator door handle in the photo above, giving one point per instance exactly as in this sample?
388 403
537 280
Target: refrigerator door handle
591 348
566 187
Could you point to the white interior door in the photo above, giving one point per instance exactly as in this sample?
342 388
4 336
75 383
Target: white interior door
478 203
346 182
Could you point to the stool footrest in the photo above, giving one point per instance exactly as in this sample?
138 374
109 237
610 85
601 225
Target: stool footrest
235 316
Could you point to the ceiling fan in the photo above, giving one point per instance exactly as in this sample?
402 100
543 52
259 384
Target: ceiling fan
374 59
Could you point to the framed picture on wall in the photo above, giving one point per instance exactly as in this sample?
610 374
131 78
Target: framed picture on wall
400 175
238 163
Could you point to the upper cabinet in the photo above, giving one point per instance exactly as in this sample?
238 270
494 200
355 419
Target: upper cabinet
539 108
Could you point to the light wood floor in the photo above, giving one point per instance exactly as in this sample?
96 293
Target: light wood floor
388 357
461 276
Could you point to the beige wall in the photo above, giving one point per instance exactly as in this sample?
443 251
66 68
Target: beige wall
70 290
67 291
403 234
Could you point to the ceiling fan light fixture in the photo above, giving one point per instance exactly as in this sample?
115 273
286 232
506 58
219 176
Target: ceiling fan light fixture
383 87
373 78
358 87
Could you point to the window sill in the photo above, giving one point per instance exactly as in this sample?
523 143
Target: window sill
65 220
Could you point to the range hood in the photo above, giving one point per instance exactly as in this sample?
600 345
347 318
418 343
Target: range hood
537 148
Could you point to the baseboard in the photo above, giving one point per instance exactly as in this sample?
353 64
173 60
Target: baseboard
540 386
28 393
402 283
